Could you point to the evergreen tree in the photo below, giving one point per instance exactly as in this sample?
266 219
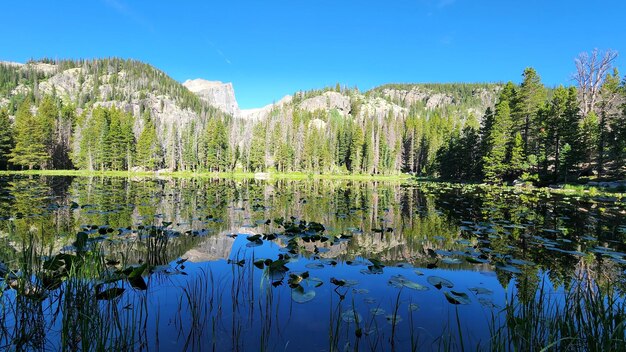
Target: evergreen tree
497 140
128 143
458 159
47 114
608 109
6 139
30 139
217 157
588 137
256 158
568 161
115 142
529 99
517 163
149 152
356 148
471 158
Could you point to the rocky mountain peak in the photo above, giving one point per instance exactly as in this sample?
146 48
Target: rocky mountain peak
216 93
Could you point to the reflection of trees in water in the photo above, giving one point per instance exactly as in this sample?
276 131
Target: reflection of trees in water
398 222
391 222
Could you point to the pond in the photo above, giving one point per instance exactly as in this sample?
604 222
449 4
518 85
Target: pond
95 263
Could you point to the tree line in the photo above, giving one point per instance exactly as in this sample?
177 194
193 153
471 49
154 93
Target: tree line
546 135
532 132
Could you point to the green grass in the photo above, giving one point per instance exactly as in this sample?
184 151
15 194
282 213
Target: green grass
590 316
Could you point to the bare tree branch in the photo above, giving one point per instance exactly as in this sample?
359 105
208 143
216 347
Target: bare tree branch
591 70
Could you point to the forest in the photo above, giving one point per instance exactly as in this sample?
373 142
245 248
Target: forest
116 114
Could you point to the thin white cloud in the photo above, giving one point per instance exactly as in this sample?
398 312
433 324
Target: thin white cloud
223 56
219 52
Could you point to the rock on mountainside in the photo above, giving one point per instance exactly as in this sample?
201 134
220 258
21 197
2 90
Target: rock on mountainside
128 85
221 95
184 115
328 101
475 98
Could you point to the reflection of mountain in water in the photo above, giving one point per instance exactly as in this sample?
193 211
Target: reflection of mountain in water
389 222
215 247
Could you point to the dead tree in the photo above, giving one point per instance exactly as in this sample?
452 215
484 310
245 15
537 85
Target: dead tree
591 70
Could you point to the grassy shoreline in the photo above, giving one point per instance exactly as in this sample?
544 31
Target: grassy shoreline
187 174
567 189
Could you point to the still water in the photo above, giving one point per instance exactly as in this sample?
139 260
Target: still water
320 265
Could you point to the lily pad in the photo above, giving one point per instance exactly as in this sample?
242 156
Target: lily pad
486 302
451 261
439 282
351 316
520 262
256 243
377 311
481 291
393 319
137 271
508 268
138 283
400 281
457 297
110 293
413 307
298 295
475 260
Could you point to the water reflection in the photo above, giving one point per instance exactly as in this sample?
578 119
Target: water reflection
239 264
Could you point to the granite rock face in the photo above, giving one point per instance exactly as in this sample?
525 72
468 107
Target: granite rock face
221 95
327 101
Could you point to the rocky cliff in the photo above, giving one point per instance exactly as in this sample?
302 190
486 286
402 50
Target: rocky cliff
182 114
221 95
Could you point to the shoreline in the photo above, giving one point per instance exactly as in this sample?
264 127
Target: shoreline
233 175
566 189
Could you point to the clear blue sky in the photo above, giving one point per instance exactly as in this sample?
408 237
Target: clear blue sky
272 48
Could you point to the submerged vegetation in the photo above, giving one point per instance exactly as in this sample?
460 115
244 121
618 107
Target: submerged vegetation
242 264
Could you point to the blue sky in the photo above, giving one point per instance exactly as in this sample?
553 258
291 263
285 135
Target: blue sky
272 48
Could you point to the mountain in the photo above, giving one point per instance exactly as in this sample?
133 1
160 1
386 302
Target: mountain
221 95
198 124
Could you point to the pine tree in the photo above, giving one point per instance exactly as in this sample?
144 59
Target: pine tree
517 164
497 141
568 160
617 147
6 139
588 136
93 132
571 121
30 138
149 152
217 157
47 115
256 157
470 158
114 142
128 143
529 99
608 96
356 148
